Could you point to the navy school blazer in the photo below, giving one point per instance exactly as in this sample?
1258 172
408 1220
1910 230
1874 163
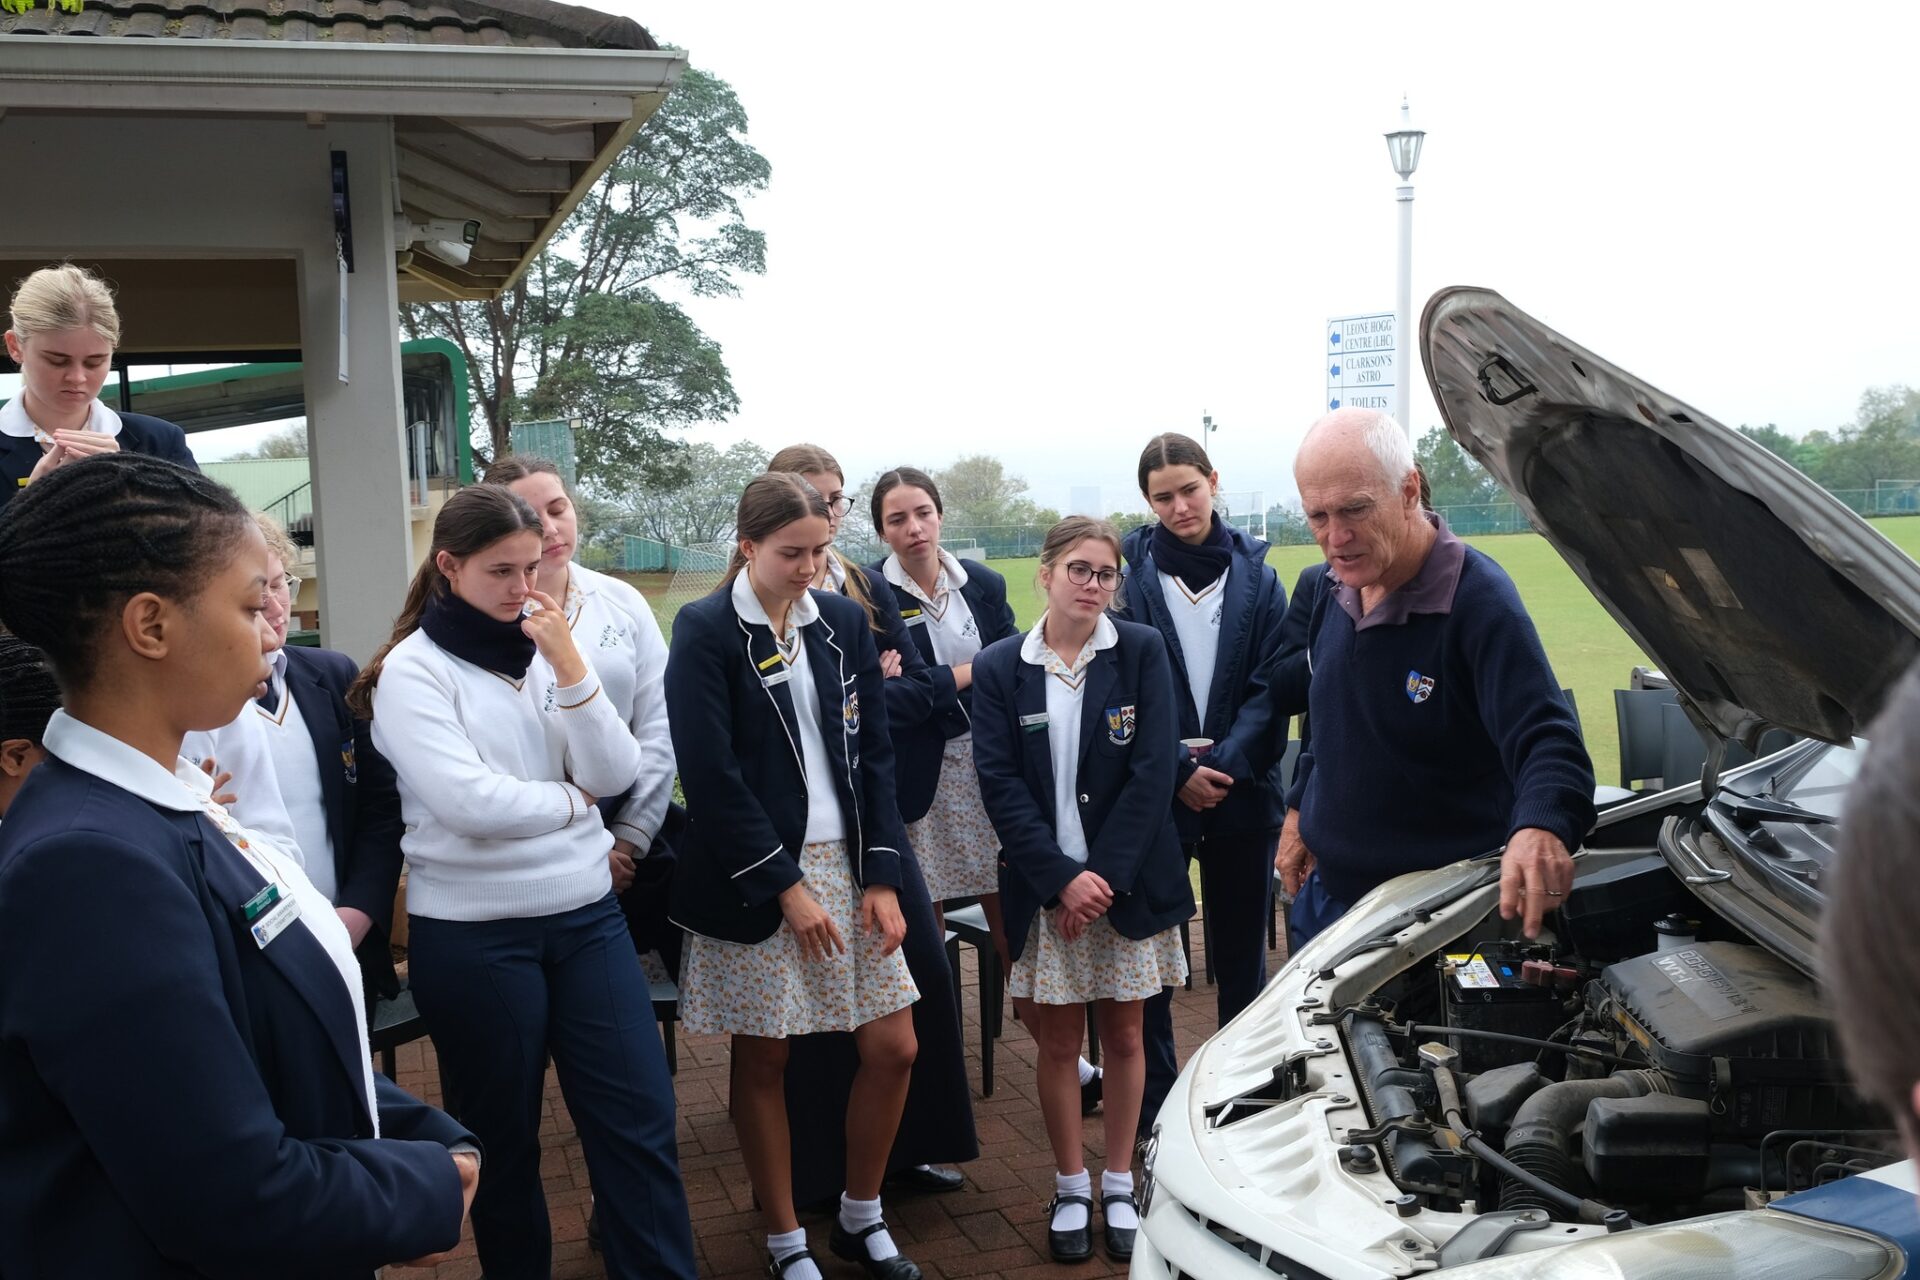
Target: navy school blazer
175 1100
1126 784
362 801
918 747
1246 720
138 434
737 741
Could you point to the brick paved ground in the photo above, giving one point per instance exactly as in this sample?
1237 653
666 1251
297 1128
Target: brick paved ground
994 1226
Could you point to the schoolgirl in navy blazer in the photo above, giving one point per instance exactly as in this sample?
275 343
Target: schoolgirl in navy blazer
918 746
747 805
1123 786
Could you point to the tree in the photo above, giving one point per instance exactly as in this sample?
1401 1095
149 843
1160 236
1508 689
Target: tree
585 331
977 490
701 506
1454 477
288 442
1127 521
1287 526
1776 442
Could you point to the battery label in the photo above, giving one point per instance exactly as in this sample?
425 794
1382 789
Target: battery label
1472 971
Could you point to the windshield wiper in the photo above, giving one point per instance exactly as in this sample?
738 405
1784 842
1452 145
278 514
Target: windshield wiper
1749 812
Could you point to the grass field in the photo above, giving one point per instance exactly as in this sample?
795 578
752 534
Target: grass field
1590 653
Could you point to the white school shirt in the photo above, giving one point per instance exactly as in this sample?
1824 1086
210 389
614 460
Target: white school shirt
825 821
491 772
614 628
188 790
241 747
1196 621
946 615
15 422
1066 692
298 771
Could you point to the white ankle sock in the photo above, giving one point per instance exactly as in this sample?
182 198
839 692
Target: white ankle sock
1071 1217
1118 1184
1087 1071
788 1243
858 1215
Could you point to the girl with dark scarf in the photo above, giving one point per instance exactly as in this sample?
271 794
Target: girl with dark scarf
1207 587
502 740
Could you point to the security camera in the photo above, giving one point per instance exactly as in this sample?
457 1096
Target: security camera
448 239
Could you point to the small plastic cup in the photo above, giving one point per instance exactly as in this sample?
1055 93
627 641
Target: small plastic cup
1197 748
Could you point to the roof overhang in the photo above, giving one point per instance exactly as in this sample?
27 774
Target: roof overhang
512 137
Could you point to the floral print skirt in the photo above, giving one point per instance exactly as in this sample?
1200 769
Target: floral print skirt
768 989
958 851
1099 965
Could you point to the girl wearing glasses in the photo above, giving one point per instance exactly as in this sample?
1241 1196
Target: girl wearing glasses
937 1129
1076 740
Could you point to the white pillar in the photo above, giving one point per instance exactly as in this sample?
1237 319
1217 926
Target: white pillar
1406 358
355 430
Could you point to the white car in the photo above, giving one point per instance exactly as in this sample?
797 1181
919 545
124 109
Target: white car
1673 1104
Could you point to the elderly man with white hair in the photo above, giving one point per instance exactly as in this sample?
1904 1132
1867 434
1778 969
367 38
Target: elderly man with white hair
1439 731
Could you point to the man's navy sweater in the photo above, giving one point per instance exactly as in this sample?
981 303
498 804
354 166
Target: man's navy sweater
1438 728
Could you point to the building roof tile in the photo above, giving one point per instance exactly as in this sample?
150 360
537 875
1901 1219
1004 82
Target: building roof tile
484 23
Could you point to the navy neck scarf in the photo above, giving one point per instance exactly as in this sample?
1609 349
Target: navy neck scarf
1197 566
465 632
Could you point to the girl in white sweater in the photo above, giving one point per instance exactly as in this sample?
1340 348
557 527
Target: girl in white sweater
502 737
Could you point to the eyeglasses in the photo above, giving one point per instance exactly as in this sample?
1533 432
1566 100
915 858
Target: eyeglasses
1080 573
840 505
292 584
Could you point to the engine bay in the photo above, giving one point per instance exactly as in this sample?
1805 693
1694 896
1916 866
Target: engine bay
1642 1062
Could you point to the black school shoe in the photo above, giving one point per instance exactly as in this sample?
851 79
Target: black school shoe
932 1178
852 1245
778 1270
1119 1239
1070 1246
1091 1092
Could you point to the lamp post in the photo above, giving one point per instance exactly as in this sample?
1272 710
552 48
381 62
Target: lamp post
1403 148
1206 433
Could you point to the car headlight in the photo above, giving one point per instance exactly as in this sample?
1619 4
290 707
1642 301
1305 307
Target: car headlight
1758 1245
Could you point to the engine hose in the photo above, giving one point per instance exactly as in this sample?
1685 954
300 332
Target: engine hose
1568 1205
1540 1139
1505 1037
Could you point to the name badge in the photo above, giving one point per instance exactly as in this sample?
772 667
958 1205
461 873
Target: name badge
1033 722
275 921
918 618
781 676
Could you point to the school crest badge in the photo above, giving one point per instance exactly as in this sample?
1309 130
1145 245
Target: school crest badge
1120 725
609 636
1419 687
850 713
348 762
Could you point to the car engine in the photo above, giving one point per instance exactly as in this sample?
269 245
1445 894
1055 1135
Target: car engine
1597 1080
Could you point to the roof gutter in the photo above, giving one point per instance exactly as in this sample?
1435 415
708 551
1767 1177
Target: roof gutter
85 73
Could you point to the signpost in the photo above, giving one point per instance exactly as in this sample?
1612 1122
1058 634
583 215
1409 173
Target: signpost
1363 362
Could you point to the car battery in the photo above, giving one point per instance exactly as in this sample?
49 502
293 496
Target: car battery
1509 987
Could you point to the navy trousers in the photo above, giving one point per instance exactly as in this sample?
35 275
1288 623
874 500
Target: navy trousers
1313 910
1236 889
498 996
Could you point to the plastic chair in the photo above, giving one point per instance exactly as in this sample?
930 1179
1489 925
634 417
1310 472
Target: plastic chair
1643 734
395 1021
968 924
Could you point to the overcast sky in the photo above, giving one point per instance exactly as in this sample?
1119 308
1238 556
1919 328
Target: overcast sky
1048 231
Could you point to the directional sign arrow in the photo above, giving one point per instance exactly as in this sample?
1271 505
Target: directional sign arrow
1333 404
1336 338
1334 372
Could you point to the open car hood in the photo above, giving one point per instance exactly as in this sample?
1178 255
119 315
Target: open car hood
1763 598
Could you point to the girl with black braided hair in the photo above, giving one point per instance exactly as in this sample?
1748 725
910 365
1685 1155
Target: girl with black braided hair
185 1087
29 696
